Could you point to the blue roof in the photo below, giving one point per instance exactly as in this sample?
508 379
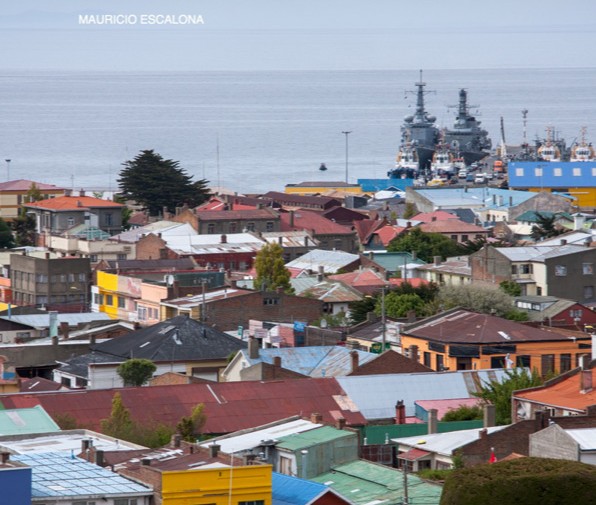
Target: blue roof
60 475
369 185
479 198
288 490
550 174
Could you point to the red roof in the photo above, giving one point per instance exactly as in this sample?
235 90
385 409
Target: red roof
452 226
415 282
308 220
437 215
366 280
366 227
444 406
413 454
72 203
229 406
25 185
388 233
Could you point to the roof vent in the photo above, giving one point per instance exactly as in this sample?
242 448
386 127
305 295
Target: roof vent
504 335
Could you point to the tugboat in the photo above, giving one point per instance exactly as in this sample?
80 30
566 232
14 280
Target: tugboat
419 129
549 150
406 163
323 167
443 161
467 137
582 151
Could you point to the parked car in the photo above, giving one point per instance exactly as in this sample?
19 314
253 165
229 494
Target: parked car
470 178
462 174
479 179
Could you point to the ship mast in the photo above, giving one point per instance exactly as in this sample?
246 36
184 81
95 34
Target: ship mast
420 116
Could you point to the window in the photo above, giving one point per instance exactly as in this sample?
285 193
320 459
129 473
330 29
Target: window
538 172
548 363
427 359
142 313
523 360
70 222
588 292
109 300
42 278
270 301
560 270
577 313
565 360
285 465
557 172
497 362
95 298
519 172
593 171
93 258
82 277
107 219
210 228
233 227
71 277
464 238
121 302
121 257
250 226
588 268
269 226
577 172
454 238
440 363
253 502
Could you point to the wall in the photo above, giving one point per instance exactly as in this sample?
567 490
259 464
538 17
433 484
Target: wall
212 486
553 442
488 265
15 484
572 285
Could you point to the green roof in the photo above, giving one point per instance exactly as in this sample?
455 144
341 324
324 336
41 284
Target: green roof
310 438
26 421
393 261
531 216
363 482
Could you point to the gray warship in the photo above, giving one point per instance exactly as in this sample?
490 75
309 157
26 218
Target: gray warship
467 139
419 130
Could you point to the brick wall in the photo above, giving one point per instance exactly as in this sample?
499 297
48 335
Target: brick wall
153 247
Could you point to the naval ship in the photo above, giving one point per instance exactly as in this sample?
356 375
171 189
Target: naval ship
467 139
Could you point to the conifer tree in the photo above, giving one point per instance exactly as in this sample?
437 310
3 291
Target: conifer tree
271 270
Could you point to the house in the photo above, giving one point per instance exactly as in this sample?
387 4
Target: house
366 280
65 480
453 271
53 283
179 344
13 194
382 236
335 295
565 271
230 308
12 332
389 362
330 261
402 264
578 179
331 236
559 443
288 490
553 311
370 334
458 339
56 215
312 361
294 243
375 396
456 230
229 407
317 187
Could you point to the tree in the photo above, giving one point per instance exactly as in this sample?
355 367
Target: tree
512 288
545 227
119 424
464 413
360 309
425 245
155 183
397 305
499 393
483 299
192 426
271 270
410 210
23 227
136 372
6 238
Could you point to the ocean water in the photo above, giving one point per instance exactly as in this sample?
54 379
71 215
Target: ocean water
257 131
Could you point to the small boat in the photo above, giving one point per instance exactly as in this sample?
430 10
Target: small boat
443 160
322 168
406 162
582 150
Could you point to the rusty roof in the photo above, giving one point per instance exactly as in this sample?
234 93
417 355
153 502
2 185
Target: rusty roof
229 406
25 185
452 226
459 326
309 220
245 214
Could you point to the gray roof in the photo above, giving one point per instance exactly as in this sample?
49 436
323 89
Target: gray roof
573 237
43 320
331 261
376 395
539 252
457 198
57 475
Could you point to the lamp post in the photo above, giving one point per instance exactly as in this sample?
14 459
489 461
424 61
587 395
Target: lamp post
7 169
346 133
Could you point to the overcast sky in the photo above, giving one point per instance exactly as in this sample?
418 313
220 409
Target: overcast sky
300 35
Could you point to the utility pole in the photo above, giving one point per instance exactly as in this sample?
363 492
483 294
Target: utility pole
346 133
406 499
7 169
383 320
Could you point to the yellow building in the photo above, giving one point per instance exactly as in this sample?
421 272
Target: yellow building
321 187
462 340
115 295
14 193
242 485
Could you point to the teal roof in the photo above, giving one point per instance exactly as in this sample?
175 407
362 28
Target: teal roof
531 216
393 261
306 439
26 421
88 232
365 482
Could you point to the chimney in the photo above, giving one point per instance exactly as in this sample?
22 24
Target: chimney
85 444
292 218
540 420
280 240
321 273
99 458
277 361
433 219
340 423
400 412
414 353
214 450
316 418
578 221
432 421
563 241
414 255
483 434
306 241
253 348
489 419
47 255
585 381
4 457
354 356
165 212
54 340
224 239
146 461
92 340
81 192
408 224
437 260
510 201
67 192
176 440
64 329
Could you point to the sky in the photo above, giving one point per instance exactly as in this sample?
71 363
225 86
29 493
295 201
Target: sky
298 35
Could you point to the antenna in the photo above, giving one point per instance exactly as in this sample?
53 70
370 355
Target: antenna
217 159
525 116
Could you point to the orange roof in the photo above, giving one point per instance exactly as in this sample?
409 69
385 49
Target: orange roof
415 282
62 203
566 394
387 233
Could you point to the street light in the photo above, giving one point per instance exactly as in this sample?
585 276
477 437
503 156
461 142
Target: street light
7 169
346 133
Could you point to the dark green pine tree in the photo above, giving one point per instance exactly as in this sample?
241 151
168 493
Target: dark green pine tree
155 183
6 237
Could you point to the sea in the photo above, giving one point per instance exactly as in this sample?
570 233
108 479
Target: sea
251 132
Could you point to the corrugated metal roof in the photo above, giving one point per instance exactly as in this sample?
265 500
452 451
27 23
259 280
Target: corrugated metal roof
331 261
254 438
26 421
366 483
293 491
585 437
166 228
376 395
304 440
444 443
474 197
59 475
331 292
43 320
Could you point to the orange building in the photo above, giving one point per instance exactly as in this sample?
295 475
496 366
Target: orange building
462 340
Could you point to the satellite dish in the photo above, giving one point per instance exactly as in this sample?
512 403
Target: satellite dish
169 279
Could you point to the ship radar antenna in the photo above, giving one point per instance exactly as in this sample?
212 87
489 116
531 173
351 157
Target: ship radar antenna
525 116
